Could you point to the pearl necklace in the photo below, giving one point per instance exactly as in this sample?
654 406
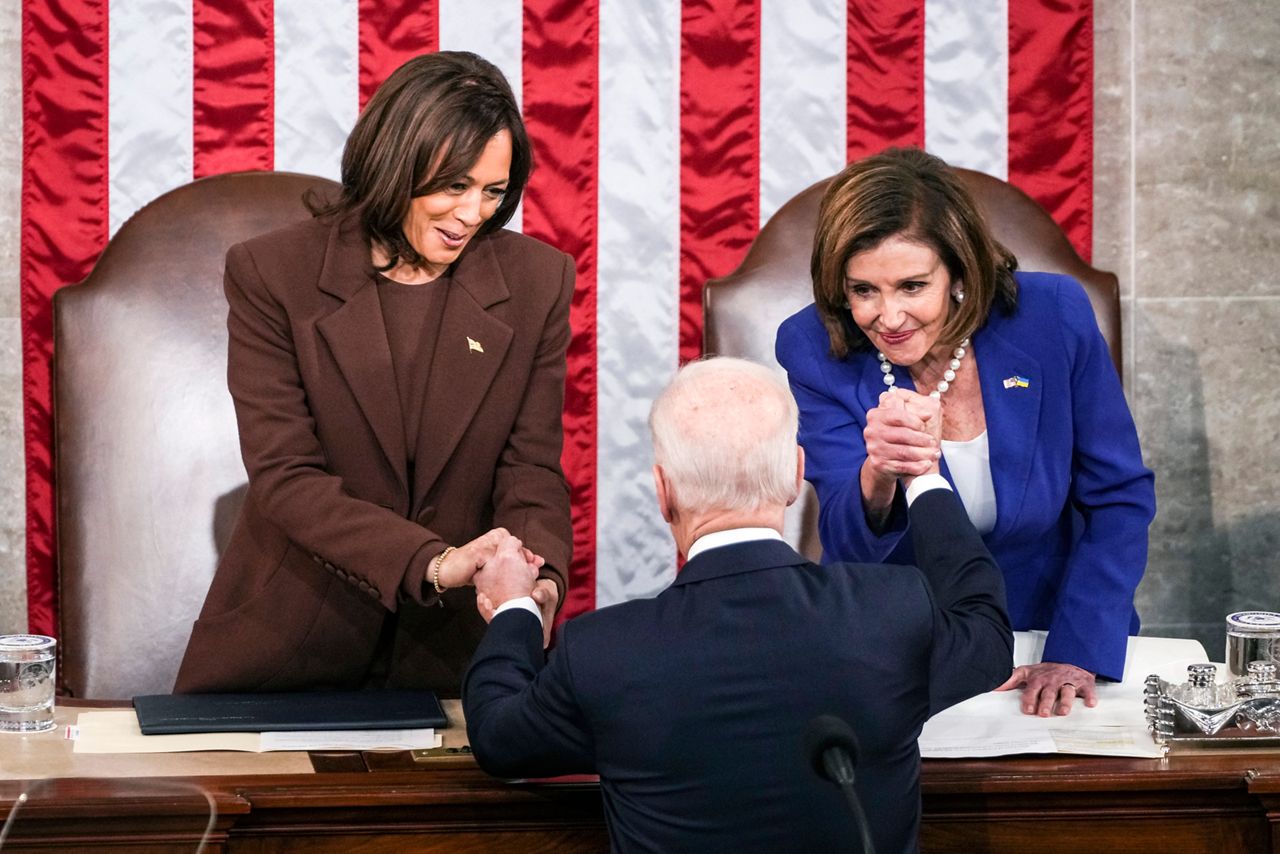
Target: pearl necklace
948 376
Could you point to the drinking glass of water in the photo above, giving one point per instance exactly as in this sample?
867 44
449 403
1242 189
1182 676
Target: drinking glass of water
26 683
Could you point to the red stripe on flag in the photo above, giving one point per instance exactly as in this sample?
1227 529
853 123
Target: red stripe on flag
561 85
885 75
1051 111
64 227
719 149
391 33
233 85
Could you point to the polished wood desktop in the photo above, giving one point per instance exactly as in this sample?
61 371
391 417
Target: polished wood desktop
1217 802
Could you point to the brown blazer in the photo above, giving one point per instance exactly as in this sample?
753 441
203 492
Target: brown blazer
323 547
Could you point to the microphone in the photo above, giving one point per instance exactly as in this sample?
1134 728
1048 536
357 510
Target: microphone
833 751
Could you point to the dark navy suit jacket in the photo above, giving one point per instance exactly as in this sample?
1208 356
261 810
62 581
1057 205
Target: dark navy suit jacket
692 706
1073 499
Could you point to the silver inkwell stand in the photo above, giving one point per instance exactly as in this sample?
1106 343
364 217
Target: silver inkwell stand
1243 709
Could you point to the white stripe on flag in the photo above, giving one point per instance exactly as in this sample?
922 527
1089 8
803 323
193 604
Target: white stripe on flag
638 301
317 84
497 34
494 31
966 83
802 97
150 103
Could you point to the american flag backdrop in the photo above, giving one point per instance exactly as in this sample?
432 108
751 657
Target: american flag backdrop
666 132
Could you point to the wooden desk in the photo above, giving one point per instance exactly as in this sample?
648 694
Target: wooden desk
1217 803
1193 801
273 802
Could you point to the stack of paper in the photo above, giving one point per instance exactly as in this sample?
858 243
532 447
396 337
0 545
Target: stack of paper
117 731
993 724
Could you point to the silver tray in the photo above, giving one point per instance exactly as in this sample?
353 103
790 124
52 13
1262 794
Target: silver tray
1225 718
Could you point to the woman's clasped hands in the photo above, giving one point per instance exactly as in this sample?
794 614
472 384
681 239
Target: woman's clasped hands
903 438
500 548
903 435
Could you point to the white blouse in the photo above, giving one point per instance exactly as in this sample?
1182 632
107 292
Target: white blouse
970 466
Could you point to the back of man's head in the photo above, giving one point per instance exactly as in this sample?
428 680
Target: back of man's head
724 433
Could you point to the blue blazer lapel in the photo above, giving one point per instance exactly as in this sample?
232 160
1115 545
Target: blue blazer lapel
858 382
1013 419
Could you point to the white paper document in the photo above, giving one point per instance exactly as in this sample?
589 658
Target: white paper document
117 731
993 724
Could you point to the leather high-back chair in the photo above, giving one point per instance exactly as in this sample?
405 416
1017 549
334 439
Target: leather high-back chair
743 310
148 471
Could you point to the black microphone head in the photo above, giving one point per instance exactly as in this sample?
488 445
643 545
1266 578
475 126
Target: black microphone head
823 733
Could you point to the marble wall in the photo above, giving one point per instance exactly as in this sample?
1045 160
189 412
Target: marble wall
13 601
1187 199
1187 212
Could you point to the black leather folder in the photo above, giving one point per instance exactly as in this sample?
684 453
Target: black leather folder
167 714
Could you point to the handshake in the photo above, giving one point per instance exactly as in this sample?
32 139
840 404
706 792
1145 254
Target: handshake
501 569
903 437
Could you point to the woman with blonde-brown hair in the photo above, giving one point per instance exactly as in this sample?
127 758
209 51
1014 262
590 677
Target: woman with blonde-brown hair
912 295
397 365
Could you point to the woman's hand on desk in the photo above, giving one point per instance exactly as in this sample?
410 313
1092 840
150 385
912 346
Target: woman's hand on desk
1050 688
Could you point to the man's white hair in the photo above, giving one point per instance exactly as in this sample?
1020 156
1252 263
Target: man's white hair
724 432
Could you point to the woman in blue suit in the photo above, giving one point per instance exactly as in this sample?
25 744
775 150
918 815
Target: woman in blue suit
912 292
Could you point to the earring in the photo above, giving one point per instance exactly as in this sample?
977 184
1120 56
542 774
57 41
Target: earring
957 295
846 304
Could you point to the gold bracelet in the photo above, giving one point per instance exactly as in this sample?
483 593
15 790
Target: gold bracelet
435 569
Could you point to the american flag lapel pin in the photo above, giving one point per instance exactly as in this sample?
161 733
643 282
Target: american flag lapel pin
473 345
1016 381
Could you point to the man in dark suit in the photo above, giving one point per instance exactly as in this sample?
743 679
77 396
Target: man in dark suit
692 706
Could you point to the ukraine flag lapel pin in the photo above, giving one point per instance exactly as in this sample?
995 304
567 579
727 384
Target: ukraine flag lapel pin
1016 381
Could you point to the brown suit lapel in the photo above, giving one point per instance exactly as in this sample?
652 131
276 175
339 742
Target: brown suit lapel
469 351
357 338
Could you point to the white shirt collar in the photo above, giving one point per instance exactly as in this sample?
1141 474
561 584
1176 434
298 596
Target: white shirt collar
730 537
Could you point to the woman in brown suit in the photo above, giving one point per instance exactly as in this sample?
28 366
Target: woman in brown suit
397 365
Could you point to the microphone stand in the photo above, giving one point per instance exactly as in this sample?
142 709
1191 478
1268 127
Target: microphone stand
833 750
840 771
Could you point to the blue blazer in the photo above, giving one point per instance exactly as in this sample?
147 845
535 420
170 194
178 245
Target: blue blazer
692 706
1073 499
